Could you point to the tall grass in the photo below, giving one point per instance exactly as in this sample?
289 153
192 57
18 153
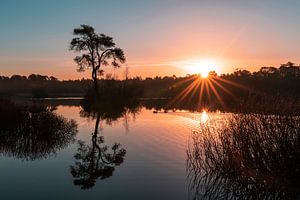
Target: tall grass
251 157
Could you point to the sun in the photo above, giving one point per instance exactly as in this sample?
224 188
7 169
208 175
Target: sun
203 67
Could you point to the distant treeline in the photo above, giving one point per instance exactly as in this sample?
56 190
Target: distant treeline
37 85
283 80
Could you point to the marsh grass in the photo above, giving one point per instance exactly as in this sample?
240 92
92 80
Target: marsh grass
251 157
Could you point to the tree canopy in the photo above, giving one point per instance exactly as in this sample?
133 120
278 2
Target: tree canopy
97 50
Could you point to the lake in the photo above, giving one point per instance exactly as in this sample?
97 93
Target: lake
153 167
132 149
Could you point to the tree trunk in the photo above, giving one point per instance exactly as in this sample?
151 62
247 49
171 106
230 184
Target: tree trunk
95 80
95 84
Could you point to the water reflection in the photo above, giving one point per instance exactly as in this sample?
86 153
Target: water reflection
33 132
252 157
97 160
204 117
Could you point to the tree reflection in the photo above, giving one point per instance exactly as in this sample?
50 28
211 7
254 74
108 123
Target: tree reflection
33 132
98 160
252 157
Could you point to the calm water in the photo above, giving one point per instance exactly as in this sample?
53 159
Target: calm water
154 165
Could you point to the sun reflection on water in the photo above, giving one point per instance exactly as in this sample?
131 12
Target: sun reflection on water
204 117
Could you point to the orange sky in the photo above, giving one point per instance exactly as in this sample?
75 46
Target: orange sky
158 37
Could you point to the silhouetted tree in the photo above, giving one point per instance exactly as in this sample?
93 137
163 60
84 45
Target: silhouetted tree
241 73
98 50
37 77
212 74
18 78
52 78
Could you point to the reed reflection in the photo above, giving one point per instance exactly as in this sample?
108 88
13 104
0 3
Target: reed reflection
251 157
33 132
97 160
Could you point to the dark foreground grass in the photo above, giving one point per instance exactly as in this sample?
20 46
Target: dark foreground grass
251 157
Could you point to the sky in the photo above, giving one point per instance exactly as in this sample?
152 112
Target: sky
159 37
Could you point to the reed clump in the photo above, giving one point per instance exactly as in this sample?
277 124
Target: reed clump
252 156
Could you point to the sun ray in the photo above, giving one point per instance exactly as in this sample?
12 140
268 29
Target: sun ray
207 90
184 93
186 80
200 94
216 93
199 90
196 89
187 90
232 83
224 89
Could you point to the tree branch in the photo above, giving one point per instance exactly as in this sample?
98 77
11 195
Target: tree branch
100 57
